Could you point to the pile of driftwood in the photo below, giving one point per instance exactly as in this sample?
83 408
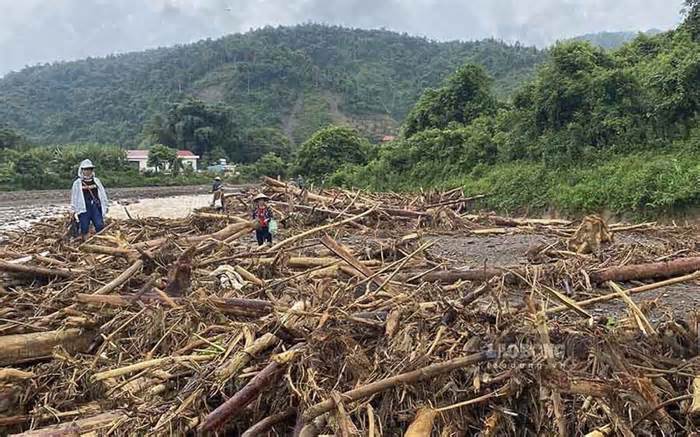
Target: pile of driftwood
350 323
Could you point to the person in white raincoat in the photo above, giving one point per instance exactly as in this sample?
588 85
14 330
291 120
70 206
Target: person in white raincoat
88 199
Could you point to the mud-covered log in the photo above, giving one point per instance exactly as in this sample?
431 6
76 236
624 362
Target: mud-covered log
21 348
243 307
659 270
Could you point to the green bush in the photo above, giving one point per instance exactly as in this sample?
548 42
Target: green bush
329 149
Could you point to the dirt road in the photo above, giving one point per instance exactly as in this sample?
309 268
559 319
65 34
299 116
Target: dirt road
21 208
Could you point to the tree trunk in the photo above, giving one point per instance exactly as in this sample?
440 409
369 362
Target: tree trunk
21 348
664 269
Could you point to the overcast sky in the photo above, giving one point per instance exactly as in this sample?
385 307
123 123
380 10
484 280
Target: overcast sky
33 31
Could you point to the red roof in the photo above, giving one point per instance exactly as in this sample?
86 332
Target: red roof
133 155
388 138
186 154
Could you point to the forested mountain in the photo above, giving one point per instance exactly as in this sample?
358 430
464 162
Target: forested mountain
594 130
613 40
293 78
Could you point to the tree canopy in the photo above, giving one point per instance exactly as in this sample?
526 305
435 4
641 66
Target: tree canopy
331 148
465 96
160 157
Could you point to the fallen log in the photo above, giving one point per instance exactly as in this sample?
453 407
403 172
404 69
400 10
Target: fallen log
122 278
9 374
209 215
147 365
83 426
405 378
220 235
30 270
282 187
513 222
92 408
264 425
237 403
301 261
313 209
21 348
243 307
237 306
659 270
107 250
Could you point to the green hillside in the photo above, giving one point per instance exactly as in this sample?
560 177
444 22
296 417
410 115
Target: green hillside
296 79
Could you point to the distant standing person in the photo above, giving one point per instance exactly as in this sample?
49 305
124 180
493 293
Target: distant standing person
88 199
262 214
218 190
302 187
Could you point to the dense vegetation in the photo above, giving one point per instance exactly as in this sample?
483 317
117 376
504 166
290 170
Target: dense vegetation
293 79
593 130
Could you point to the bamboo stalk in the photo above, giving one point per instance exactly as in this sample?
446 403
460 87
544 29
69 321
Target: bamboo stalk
241 359
630 291
387 383
261 427
305 234
114 373
121 279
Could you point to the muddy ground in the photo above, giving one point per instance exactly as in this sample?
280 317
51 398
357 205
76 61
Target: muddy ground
21 208
510 250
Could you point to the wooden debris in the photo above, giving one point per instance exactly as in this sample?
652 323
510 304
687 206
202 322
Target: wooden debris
409 312
22 348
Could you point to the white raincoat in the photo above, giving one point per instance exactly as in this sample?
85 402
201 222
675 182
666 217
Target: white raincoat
77 201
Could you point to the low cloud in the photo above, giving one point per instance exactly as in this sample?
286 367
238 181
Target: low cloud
35 31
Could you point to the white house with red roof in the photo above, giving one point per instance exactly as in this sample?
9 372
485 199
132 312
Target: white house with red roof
140 158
